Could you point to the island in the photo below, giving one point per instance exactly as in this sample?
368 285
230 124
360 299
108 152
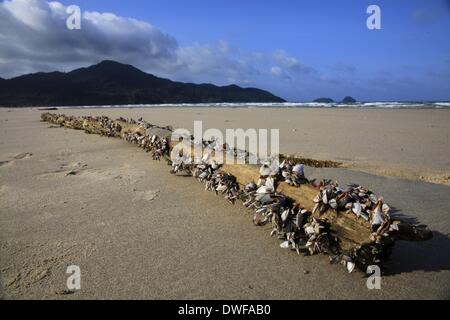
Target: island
348 100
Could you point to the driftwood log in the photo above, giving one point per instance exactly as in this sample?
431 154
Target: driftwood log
352 237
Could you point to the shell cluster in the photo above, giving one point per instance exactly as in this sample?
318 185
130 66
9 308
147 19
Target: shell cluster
357 200
291 223
288 171
158 147
298 228
293 174
112 128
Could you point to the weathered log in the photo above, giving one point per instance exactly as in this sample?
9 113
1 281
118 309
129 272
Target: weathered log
354 236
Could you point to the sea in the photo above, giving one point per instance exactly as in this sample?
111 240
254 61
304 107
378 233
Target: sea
359 105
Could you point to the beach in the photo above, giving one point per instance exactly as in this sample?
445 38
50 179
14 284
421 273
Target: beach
68 198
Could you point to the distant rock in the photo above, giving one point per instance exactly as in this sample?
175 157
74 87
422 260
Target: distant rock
324 100
348 100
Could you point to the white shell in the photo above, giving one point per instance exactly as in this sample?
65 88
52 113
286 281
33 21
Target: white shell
394 226
214 165
350 266
270 183
299 169
309 230
264 170
274 168
205 158
333 203
285 245
324 197
356 208
376 217
263 190
221 188
264 198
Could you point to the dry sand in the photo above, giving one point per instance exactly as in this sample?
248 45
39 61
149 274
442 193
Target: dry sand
138 232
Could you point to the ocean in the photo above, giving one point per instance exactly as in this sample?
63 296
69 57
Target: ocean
359 105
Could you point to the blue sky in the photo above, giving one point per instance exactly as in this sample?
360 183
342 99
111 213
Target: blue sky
299 50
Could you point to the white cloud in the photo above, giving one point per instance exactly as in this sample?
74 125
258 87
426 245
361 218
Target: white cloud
283 58
291 63
34 37
276 71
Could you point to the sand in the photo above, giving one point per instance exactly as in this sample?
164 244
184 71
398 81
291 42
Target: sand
67 198
407 143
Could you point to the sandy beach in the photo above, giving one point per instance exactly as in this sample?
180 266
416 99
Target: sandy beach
138 232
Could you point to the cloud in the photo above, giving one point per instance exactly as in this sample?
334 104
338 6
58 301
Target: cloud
276 71
281 73
34 37
290 63
213 62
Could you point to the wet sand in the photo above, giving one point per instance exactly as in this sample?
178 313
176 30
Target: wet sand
138 232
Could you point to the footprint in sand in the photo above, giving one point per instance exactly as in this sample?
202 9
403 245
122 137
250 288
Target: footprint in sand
24 155
65 170
7 163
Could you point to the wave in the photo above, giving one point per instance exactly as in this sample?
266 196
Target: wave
367 105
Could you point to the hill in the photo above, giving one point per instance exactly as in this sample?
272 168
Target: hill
114 83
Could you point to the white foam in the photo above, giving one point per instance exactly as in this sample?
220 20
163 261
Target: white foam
389 105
